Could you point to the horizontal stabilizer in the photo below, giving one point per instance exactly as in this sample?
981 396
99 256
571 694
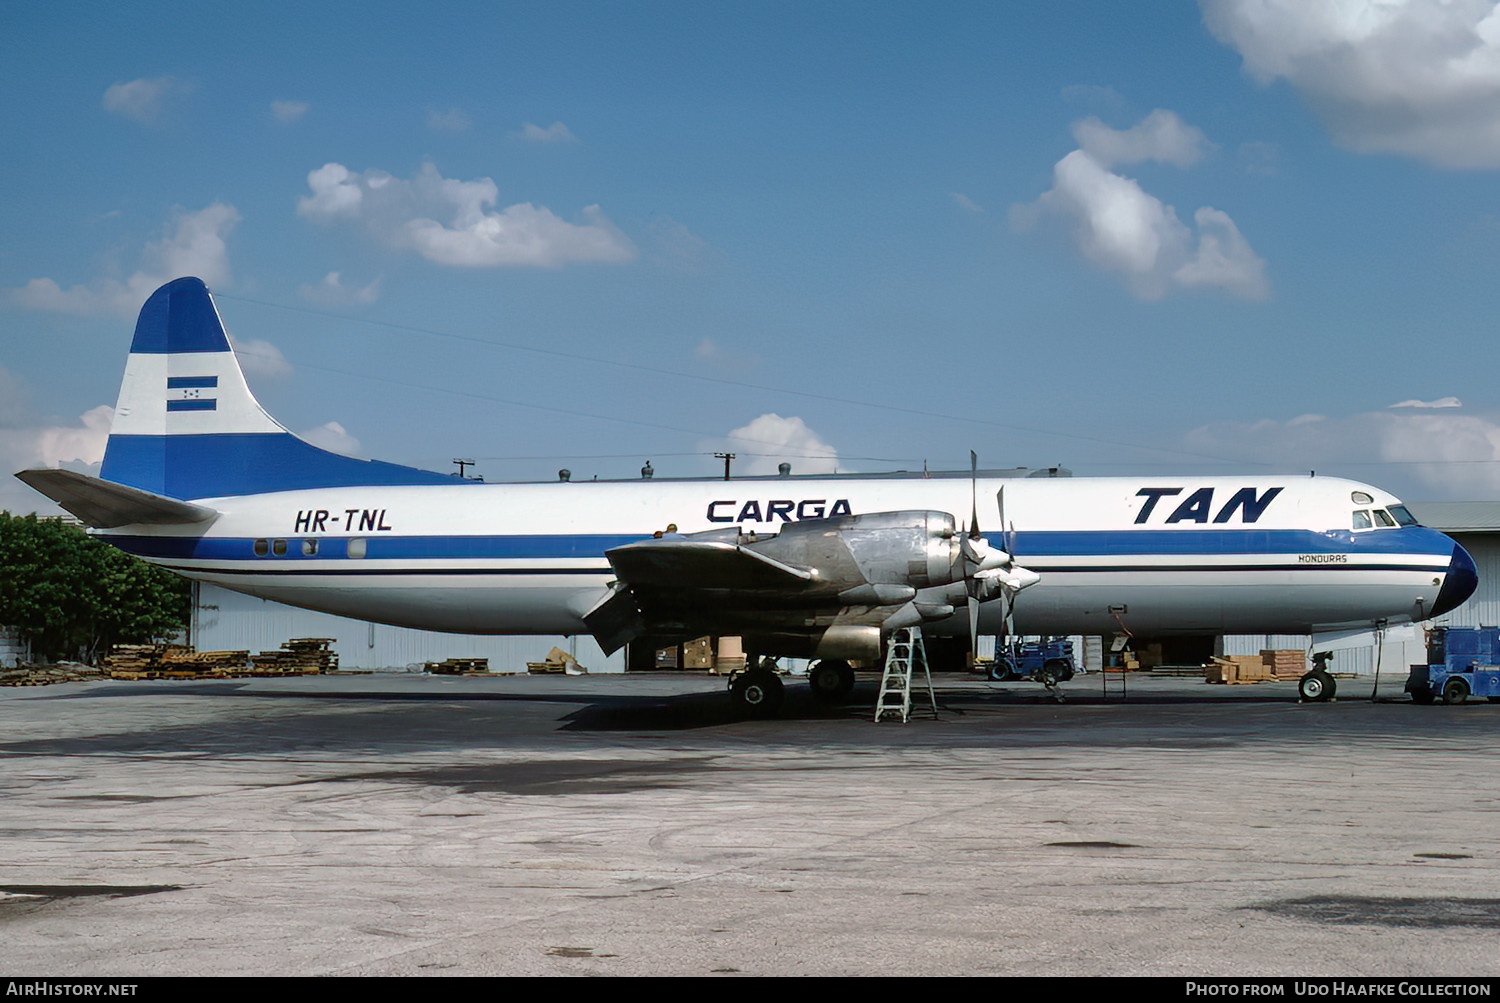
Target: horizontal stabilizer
105 505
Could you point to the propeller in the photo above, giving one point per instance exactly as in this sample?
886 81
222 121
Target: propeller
986 568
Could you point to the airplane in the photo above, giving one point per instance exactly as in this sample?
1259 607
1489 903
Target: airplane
199 479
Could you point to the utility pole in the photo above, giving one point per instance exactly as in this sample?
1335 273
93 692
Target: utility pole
462 465
726 457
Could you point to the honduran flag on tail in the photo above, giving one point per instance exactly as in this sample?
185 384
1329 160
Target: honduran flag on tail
191 393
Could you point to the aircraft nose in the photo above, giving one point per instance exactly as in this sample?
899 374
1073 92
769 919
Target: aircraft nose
1460 582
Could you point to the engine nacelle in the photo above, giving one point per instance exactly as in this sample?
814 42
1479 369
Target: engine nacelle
914 549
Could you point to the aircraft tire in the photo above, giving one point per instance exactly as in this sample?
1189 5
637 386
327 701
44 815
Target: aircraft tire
1455 690
757 693
1316 687
831 680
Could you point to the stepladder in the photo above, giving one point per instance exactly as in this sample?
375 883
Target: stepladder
905 657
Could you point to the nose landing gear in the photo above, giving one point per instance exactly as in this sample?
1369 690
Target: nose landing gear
1317 686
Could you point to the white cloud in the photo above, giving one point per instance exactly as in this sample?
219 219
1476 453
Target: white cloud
333 437
196 244
1446 455
771 439
1414 77
336 192
77 447
1224 259
1161 136
554 133
1441 402
964 202
260 359
289 111
332 292
1123 229
451 222
451 120
142 100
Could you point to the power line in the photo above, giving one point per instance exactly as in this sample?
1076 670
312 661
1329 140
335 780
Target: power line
719 380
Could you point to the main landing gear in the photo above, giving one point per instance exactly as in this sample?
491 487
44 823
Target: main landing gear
757 691
831 679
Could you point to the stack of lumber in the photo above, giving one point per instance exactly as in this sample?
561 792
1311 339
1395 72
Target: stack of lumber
45 675
299 656
457 666
137 661
189 664
171 661
557 660
1285 663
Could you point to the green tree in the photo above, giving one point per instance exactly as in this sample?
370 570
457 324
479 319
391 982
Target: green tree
72 596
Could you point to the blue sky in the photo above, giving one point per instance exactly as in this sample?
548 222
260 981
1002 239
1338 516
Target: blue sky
1127 238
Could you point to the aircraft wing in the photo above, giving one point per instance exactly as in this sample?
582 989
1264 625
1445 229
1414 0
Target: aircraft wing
106 505
663 584
701 564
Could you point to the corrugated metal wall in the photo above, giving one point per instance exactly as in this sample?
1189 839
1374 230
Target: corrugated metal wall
229 621
13 650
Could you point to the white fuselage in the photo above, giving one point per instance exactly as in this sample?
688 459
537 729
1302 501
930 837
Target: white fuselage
1158 556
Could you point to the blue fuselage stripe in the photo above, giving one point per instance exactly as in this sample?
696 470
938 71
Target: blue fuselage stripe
276 566
1047 551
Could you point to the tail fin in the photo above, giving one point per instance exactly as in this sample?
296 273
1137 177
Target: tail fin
187 425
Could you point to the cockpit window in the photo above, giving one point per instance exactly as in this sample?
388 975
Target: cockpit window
1403 516
1383 518
1362 519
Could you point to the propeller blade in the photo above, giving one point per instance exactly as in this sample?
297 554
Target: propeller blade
974 495
1008 534
973 624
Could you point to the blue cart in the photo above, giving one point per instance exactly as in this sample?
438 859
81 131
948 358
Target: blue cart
1461 662
1048 661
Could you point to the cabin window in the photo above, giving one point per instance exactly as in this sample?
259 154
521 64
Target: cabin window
278 547
1403 516
262 548
309 548
1383 519
356 548
1362 520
